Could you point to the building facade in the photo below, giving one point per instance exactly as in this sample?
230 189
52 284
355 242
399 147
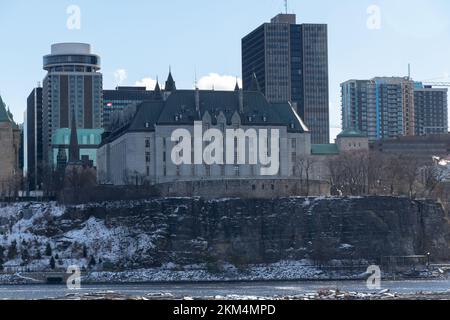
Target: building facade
290 62
9 155
140 148
383 108
72 86
430 110
115 101
32 137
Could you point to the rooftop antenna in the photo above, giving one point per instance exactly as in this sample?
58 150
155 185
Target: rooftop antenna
286 6
409 71
195 78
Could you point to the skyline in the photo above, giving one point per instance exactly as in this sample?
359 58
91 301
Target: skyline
157 36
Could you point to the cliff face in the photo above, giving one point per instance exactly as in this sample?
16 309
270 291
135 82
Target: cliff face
190 231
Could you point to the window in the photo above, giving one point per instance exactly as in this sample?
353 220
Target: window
208 171
147 143
237 171
294 143
148 171
147 157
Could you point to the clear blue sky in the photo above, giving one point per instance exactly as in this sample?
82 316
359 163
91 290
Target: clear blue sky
144 37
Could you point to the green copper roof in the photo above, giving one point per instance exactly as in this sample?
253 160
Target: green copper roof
4 114
351 133
324 149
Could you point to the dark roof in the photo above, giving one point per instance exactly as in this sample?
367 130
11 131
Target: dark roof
352 133
128 94
324 149
254 86
180 109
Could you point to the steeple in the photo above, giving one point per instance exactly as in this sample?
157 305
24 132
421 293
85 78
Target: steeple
74 148
236 88
255 84
170 83
157 90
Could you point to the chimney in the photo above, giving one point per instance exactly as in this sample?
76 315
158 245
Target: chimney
241 101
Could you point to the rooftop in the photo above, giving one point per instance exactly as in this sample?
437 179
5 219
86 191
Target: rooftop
324 149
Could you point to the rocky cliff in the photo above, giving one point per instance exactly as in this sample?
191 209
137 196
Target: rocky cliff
186 231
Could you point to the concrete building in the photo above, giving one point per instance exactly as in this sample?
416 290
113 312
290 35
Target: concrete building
139 149
290 61
421 147
72 86
115 101
430 110
9 155
32 137
382 108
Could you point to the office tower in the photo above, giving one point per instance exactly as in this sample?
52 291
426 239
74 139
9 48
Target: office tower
290 62
115 101
430 110
383 108
33 151
72 86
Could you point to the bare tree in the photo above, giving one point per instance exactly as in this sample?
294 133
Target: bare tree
304 168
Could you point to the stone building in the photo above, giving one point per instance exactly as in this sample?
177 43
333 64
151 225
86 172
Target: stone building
140 147
9 155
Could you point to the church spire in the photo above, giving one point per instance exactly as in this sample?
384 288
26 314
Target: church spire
74 148
236 88
157 89
170 83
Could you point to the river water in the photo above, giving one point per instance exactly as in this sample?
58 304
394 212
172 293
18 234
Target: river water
260 289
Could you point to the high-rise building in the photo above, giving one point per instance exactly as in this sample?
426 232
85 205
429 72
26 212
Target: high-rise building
383 108
9 152
72 86
115 101
290 62
430 110
33 152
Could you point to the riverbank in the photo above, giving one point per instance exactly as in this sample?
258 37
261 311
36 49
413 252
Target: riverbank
303 270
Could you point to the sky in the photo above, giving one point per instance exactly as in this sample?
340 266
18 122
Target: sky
139 39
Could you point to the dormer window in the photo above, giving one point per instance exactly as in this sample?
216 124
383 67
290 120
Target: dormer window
264 118
292 126
147 125
177 118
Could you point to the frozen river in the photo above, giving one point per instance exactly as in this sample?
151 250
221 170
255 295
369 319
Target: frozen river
260 289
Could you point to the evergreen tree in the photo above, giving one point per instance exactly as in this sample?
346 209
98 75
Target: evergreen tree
48 250
92 262
25 255
12 251
85 254
52 263
2 252
38 255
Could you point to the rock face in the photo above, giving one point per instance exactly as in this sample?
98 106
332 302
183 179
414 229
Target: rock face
188 231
